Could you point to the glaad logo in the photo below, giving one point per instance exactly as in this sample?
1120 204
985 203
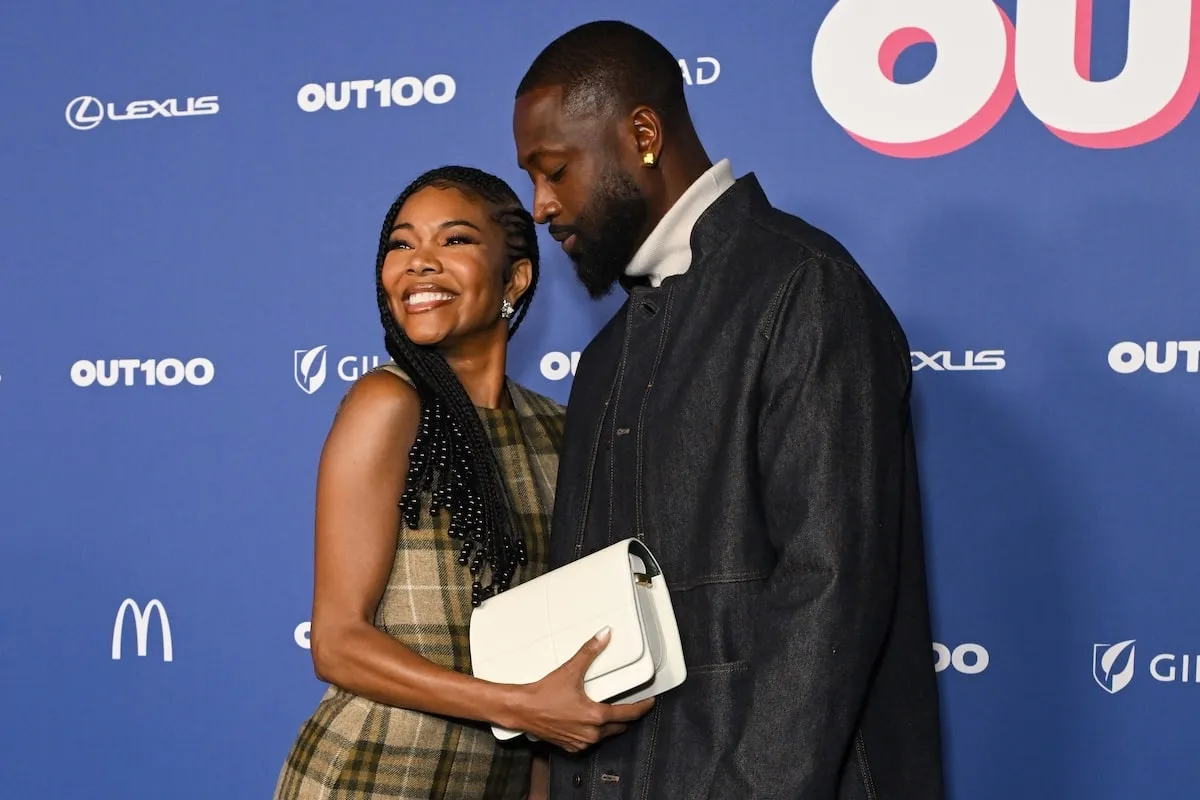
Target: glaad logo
972 360
301 635
409 91
168 372
310 366
1113 665
555 366
141 621
85 113
1129 357
969 659
983 60
706 71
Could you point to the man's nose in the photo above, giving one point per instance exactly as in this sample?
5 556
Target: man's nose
545 206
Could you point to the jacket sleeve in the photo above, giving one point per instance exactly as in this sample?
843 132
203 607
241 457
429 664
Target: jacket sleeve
834 404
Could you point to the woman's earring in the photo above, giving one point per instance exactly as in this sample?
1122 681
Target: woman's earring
506 309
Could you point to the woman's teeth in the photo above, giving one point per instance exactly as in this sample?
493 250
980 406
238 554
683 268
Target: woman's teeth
423 298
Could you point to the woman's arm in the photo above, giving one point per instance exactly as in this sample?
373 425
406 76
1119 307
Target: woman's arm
359 482
360 479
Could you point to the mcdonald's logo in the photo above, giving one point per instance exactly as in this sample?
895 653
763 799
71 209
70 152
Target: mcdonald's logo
141 621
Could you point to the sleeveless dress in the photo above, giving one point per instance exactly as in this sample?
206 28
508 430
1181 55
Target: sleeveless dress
352 748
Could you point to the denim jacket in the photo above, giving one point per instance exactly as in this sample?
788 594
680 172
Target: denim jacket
749 420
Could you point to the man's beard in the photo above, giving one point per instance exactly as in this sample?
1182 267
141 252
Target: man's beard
606 232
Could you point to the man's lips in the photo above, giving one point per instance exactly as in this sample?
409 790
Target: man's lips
564 236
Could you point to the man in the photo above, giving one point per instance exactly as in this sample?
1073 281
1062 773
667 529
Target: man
746 413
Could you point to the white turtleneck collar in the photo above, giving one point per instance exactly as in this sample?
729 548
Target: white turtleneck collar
667 250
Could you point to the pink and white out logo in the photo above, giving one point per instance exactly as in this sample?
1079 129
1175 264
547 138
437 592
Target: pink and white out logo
984 60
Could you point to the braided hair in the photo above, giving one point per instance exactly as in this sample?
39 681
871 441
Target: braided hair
451 459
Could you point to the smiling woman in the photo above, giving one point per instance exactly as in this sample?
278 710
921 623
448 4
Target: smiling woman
449 275
457 252
440 429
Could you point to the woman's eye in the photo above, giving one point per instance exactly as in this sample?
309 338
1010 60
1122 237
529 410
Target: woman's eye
397 245
459 239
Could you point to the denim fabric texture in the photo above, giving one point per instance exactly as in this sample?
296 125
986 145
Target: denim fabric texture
749 420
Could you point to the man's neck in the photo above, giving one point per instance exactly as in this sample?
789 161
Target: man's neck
666 250
678 177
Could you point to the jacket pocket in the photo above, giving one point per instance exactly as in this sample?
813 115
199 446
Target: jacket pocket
698 727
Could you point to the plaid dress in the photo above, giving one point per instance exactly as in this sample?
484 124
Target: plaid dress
353 748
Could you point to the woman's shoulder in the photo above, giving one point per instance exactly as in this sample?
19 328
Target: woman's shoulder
375 424
538 403
388 382
384 395
388 368
544 418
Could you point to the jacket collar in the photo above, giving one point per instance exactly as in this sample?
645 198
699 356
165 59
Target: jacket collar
667 250
745 198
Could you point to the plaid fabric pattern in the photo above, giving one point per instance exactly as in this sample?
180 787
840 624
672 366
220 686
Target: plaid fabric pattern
353 748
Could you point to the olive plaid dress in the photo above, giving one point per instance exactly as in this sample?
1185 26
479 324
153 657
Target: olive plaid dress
352 748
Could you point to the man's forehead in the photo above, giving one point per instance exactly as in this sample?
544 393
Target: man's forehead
540 120
538 114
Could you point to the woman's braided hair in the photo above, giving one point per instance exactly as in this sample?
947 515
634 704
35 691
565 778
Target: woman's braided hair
451 459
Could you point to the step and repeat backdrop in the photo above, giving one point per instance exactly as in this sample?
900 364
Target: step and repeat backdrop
193 196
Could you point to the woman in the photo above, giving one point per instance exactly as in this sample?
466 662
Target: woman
434 491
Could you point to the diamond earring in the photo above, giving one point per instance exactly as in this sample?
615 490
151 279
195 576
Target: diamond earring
506 309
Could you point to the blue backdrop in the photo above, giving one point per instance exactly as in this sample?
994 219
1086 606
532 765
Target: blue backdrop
193 201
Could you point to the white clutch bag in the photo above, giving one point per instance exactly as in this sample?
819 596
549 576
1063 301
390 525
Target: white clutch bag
525 633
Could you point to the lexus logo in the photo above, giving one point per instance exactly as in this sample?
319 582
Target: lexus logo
943 360
85 113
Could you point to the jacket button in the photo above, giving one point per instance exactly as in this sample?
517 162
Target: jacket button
577 780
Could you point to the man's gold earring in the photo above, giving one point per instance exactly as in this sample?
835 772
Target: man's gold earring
648 159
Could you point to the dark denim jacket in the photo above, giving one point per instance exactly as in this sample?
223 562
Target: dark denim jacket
749 420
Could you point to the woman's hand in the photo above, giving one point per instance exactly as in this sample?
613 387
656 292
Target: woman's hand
556 710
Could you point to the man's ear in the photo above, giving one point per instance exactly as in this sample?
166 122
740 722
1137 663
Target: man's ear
647 135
